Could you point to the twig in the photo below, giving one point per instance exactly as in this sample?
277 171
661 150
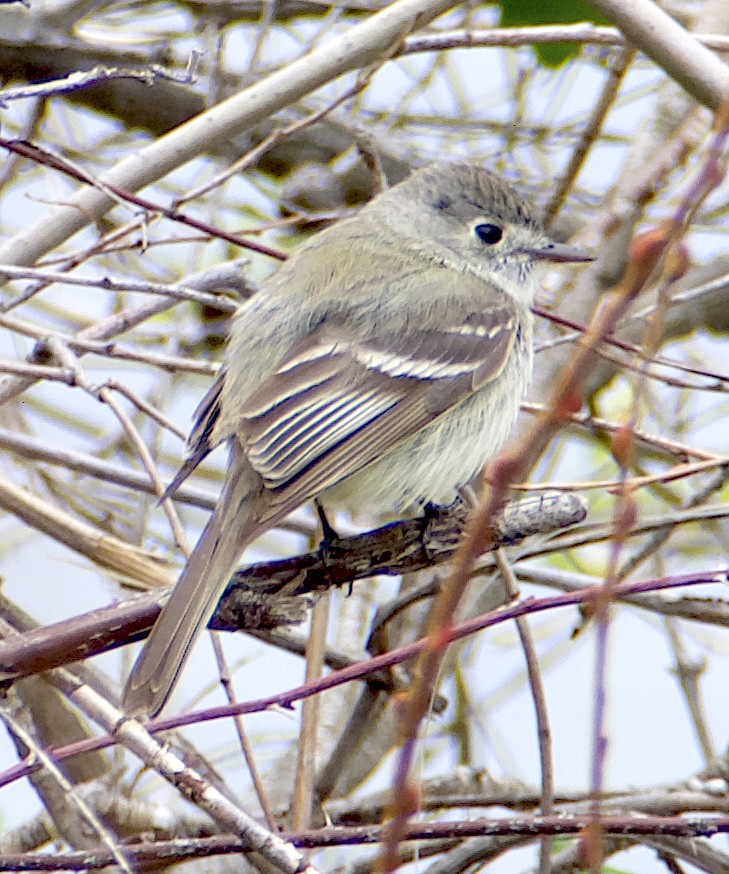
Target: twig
85 79
543 34
590 131
178 291
226 682
544 734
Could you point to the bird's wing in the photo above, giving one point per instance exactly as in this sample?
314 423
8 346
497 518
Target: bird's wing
335 403
199 443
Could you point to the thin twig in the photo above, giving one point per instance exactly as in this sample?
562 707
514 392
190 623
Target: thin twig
544 732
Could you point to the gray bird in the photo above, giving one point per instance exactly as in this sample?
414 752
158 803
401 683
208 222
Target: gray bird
380 367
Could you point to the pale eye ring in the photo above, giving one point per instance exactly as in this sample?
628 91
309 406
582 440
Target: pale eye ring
489 233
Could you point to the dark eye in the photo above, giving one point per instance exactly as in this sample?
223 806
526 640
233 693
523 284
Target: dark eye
490 234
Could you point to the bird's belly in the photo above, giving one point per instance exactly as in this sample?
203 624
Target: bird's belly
432 464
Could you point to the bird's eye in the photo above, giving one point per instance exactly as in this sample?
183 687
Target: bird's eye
488 233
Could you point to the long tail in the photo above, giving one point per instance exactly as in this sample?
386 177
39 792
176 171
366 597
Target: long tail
237 521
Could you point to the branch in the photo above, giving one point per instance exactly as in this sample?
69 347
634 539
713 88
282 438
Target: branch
696 68
275 593
170 852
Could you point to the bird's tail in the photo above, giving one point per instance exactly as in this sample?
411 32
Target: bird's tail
237 520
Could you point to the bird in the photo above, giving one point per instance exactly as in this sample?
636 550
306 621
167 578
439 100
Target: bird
378 368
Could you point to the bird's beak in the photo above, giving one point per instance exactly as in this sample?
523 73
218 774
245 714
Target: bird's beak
558 252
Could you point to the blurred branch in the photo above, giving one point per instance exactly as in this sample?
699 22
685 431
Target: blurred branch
334 836
363 44
654 32
543 34
114 555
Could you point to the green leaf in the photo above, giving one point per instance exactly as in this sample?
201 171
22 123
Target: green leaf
517 13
